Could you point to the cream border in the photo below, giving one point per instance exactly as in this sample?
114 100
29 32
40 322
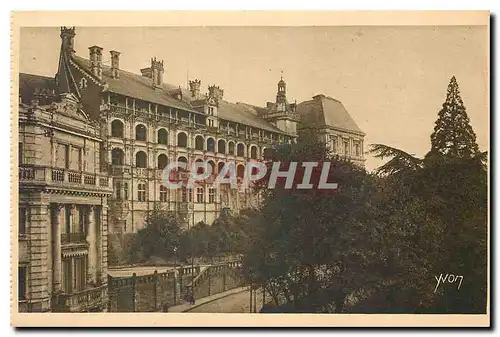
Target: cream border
228 18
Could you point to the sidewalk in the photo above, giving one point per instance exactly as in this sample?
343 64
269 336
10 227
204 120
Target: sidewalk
185 307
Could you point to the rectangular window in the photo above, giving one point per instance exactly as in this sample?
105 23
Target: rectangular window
199 194
346 147
67 276
20 153
22 220
163 194
82 219
67 218
118 190
66 156
357 150
141 192
333 142
125 191
184 194
211 195
22 282
79 273
80 159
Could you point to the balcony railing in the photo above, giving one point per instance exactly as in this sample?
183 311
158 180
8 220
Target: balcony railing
141 172
63 177
67 238
83 300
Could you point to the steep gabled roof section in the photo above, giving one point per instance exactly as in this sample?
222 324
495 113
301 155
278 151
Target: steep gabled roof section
140 87
137 86
36 87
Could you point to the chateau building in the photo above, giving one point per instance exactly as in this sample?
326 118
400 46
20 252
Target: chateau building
93 143
329 119
62 264
146 123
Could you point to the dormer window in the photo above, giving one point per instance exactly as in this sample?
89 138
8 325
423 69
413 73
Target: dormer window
210 111
83 83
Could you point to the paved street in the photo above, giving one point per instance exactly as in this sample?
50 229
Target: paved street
236 303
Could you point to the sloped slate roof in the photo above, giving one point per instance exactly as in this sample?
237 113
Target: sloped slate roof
29 84
244 114
324 111
138 86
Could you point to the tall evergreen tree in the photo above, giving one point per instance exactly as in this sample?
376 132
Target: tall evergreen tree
453 135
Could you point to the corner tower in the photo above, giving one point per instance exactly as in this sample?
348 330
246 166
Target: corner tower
281 113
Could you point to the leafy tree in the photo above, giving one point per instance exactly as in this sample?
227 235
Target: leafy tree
437 209
159 237
309 241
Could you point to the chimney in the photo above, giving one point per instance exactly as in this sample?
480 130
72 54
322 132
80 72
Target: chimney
96 61
146 72
194 87
68 40
157 72
216 92
115 63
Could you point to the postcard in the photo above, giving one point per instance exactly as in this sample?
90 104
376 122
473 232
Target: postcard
250 169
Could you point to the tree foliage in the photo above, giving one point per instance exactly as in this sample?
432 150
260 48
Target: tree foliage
453 134
378 243
159 237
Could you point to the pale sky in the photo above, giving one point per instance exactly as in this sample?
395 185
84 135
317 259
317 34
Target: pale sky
392 80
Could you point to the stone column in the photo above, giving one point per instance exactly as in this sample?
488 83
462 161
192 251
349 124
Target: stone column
101 262
56 248
92 240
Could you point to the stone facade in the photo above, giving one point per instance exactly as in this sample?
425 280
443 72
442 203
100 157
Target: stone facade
62 208
147 123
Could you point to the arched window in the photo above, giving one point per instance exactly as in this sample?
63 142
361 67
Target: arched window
240 150
220 166
140 132
221 146
210 145
117 128
182 139
83 83
200 168
230 146
117 156
182 160
198 143
253 152
212 167
162 161
141 159
162 137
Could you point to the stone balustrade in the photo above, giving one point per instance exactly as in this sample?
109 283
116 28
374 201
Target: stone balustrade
36 174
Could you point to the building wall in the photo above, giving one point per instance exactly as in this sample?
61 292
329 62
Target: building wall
47 187
132 211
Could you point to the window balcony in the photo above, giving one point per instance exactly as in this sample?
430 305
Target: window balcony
73 238
91 299
51 176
